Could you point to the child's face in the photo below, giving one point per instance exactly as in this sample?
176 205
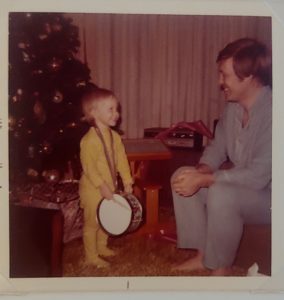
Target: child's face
106 112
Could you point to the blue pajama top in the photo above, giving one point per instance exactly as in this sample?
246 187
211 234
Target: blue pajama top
249 148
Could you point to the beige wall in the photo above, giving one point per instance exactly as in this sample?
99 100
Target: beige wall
162 67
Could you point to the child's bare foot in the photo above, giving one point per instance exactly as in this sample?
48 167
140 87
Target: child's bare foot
105 251
97 261
192 264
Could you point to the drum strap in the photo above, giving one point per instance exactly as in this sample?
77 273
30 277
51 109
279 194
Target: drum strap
109 157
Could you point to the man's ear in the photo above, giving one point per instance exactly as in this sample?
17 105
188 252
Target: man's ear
249 78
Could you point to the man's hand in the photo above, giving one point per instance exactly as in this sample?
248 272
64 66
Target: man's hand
203 168
106 191
188 182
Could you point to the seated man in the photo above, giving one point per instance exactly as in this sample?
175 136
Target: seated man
211 205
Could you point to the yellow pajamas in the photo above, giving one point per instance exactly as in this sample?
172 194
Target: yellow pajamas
95 172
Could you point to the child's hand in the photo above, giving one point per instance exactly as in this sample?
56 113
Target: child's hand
128 188
106 191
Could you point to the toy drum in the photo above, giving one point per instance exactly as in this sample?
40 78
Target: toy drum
121 215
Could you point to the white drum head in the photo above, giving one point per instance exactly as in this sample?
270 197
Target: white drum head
115 215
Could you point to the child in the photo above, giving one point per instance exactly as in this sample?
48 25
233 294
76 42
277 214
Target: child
102 155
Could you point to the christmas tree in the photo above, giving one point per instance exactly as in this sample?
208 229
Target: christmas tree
45 84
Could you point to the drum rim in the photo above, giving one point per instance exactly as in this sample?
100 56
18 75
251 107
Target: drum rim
101 225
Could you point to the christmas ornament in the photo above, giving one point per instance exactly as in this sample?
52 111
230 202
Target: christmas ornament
81 83
72 125
47 28
12 123
51 175
16 99
18 96
29 131
55 64
32 172
26 57
17 134
39 112
46 147
43 36
22 45
31 151
56 27
37 72
21 123
19 91
58 97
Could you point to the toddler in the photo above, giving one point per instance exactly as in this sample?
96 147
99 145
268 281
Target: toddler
102 155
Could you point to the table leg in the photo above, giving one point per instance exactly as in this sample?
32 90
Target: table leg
152 207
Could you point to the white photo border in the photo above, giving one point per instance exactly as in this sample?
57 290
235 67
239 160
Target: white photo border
197 7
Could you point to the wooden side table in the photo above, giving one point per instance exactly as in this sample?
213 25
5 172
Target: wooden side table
139 153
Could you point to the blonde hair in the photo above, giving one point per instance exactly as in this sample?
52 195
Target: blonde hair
92 95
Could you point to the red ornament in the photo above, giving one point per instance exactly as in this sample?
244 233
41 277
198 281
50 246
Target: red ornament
55 64
51 176
58 97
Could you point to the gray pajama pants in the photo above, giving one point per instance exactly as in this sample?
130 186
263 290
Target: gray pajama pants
212 219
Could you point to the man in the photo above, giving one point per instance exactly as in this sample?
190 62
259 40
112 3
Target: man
212 204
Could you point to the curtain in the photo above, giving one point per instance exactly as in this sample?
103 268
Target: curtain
162 68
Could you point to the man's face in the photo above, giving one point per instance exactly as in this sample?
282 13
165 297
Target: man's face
234 88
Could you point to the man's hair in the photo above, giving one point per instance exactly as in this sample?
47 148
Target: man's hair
250 57
92 94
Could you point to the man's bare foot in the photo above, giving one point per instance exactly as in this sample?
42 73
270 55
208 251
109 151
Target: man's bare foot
221 272
192 264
